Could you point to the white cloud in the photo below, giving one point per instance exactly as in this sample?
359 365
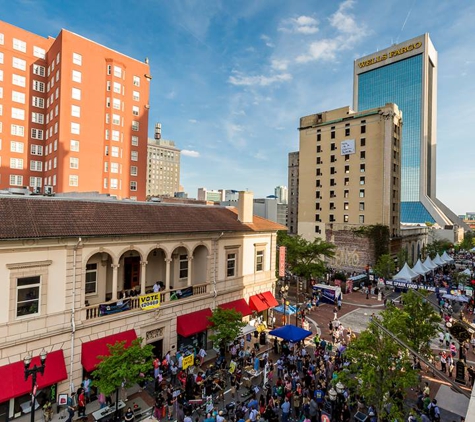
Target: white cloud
194 121
190 153
267 41
279 64
261 155
302 25
171 95
348 34
258 80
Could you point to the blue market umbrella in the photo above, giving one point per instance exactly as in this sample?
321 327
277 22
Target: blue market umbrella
291 333
289 309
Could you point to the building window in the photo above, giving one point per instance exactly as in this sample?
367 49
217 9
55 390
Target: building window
18 80
363 142
37 118
77 76
319 137
38 102
114 167
363 127
135 110
91 279
346 205
114 184
116 119
362 155
135 141
332 146
73 180
117 87
231 265
36 165
37 134
183 266
39 52
77 59
133 185
36 149
18 113
361 219
38 86
19 64
19 45
319 148
36 182
135 125
16 163
134 155
74 145
75 128
75 111
361 207
16 147
362 180
16 180
116 103
38 70
133 170
362 168
73 162
117 72
76 94
346 218
347 131
115 135
136 81
28 296
109 69
115 152
332 134
259 260
361 193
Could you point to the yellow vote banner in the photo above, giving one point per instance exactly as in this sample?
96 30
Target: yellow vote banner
149 301
188 361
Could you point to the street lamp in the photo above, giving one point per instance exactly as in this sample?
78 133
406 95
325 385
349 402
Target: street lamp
33 372
340 389
332 394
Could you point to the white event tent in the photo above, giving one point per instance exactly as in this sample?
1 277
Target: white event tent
446 257
420 269
437 260
406 274
429 264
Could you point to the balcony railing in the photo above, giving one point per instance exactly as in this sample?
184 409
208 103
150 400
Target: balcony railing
167 298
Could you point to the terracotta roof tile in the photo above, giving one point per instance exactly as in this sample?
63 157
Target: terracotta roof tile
40 217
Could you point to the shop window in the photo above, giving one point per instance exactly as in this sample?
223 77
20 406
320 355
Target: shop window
28 296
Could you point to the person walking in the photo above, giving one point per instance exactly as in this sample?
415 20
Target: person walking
285 409
335 313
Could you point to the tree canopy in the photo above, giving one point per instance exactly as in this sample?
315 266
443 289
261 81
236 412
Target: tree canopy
124 364
384 267
227 324
306 258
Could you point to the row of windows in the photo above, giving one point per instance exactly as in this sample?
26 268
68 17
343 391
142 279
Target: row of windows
346 194
334 159
347 131
118 72
346 206
117 184
346 182
21 46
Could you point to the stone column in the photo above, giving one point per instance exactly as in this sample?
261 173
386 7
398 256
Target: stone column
167 273
115 270
188 281
143 265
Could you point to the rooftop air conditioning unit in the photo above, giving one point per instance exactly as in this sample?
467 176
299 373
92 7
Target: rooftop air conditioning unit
48 190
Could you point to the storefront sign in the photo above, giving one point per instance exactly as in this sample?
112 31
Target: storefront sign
282 251
188 361
149 301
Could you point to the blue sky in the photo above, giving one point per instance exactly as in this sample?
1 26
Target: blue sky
231 78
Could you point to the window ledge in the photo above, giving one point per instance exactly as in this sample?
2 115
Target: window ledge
32 264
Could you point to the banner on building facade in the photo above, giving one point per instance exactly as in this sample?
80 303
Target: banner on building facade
149 301
282 251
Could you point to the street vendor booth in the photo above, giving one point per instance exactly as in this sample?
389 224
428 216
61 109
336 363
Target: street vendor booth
261 303
192 331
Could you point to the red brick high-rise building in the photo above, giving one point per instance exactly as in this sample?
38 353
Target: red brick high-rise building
73 115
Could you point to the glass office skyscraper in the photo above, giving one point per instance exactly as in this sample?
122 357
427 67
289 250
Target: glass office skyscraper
406 74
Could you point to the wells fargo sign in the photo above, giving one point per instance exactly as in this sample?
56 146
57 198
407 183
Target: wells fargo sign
149 301
390 55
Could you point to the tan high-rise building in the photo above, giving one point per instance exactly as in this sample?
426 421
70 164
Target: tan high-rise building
349 170
73 115
293 198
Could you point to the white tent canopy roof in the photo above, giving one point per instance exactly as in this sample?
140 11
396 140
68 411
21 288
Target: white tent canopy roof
466 272
419 268
438 260
429 264
406 274
446 257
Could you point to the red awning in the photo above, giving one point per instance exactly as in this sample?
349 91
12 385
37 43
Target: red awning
239 305
91 350
195 322
262 301
12 376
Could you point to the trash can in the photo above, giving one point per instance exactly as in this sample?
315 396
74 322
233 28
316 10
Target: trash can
262 338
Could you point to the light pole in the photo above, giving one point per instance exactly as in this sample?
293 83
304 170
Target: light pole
33 372
340 389
332 394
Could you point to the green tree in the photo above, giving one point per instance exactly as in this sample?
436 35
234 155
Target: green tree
227 324
436 247
304 258
416 323
468 241
379 237
379 368
384 266
124 364
402 257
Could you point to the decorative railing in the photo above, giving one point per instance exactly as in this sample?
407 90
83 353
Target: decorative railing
167 298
